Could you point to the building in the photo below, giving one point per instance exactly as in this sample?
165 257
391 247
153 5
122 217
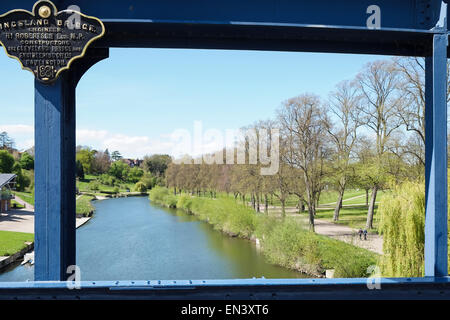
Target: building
7 183
133 162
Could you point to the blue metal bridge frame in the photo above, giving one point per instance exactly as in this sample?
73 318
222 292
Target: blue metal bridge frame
408 28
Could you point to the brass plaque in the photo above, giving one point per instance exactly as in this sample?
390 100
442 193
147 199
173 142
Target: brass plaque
46 41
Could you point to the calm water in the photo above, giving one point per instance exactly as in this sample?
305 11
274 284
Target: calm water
131 239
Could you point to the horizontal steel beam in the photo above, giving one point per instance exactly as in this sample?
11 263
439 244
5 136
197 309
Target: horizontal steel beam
405 14
242 36
262 289
315 26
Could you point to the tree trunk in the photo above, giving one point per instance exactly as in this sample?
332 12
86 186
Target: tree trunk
258 203
266 204
300 205
338 205
311 217
283 208
370 212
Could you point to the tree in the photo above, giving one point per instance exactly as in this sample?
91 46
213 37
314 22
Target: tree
157 164
22 181
26 161
343 106
116 156
303 134
140 187
411 111
86 157
135 174
119 170
101 162
6 162
79 170
378 84
6 142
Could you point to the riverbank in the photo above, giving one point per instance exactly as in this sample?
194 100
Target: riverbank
287 242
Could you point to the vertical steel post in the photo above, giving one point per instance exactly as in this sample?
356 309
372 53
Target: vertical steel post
436 159
55 215
55 178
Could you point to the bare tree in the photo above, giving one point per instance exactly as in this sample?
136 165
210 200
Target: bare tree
412 109
343 106
303 132
378 84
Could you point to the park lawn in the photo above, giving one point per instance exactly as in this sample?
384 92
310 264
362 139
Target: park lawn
326 197
84 205
83 185
28 197
362 200
12 242
332 196
354 217
18 205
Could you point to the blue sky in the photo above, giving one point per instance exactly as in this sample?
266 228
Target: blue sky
134 100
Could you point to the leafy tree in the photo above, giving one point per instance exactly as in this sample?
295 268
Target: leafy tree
26 161
79 169
6 162
148 180
86 157
6 143
22 181
157 164
135 174
116 156
119 170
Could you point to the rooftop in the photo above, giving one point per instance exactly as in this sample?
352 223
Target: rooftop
6 178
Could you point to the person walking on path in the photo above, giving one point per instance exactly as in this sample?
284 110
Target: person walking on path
365 234
360 232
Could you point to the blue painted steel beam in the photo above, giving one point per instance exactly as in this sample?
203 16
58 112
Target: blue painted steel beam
55 170
54 178
317 26
233 289
398 14
436 255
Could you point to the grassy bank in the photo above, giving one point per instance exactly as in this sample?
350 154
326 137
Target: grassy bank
12 242
284 242
84 205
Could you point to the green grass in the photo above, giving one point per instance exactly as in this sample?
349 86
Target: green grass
83 185
286 242
354 217
84 205
12 242
18 205
28 197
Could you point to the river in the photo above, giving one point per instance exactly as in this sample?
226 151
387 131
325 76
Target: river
131 239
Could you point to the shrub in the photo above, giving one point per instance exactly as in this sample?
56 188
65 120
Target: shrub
157 194
94 185
140 187
185 202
